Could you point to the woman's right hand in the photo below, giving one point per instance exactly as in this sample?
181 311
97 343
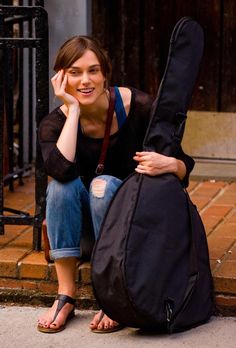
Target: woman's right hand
67 140
59 82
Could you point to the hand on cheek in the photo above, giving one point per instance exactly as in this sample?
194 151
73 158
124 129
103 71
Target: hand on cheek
62 89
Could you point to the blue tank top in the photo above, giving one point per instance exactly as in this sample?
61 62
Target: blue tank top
119 108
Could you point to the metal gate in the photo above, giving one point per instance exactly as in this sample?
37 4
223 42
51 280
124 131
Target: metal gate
24 101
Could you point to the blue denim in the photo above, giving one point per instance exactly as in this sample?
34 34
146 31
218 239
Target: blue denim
98 206
66 204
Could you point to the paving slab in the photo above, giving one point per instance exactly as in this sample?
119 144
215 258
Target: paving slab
18 329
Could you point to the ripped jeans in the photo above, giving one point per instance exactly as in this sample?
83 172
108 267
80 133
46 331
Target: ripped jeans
66 204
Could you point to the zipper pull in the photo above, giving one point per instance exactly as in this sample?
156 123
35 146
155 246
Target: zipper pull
169 312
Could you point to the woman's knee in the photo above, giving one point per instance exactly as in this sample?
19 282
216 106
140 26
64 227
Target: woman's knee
61 192
103 183
98 187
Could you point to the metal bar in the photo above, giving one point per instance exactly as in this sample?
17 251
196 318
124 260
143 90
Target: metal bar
6 42
10 11
30 104
8 16
17 19
16 211
8 88
19 108
8 97
1 127
17 220
42 108
1 137
14 175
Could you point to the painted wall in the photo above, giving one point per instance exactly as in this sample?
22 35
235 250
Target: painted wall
66 19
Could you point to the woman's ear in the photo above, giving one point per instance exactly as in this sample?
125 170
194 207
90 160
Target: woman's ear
106 85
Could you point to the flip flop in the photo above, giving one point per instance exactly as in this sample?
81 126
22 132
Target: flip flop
62 300
108 330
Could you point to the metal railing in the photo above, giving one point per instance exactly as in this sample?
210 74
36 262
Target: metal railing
24 99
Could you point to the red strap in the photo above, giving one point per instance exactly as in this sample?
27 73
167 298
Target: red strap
110 112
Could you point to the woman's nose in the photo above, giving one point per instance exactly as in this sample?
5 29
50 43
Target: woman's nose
85 77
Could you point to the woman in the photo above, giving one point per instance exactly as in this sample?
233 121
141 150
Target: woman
71 138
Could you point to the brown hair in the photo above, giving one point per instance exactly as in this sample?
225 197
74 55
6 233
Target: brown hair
75 47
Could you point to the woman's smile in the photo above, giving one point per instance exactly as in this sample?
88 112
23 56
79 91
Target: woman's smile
85 78
85 91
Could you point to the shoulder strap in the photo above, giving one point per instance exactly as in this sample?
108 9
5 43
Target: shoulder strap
100 166
119 108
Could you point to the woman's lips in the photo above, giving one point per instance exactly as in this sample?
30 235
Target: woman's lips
85 91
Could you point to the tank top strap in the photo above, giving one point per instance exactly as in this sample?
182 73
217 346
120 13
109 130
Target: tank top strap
119 108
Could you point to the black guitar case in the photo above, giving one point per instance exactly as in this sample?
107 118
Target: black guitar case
150 265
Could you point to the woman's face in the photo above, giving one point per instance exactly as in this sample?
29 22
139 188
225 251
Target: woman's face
85 79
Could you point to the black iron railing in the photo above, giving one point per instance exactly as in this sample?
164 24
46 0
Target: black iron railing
24 100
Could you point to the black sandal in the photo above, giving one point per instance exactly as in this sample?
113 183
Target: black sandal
62 300
108 330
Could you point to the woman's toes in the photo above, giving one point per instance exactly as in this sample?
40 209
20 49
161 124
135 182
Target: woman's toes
41 322
94 323
105 323
53 325
102 322
100 326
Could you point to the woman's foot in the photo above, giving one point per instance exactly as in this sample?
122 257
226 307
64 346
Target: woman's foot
49 323
101 323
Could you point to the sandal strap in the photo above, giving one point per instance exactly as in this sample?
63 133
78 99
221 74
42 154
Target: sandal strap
66 299
101 316
62 300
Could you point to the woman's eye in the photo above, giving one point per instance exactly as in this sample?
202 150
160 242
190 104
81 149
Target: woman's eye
94 70
74 72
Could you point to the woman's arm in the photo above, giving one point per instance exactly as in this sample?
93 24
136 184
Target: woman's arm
68 138
55 164
153 163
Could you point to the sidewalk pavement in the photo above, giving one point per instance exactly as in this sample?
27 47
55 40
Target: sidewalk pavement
18 329
25 276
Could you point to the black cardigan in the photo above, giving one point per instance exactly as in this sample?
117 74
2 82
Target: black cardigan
122 146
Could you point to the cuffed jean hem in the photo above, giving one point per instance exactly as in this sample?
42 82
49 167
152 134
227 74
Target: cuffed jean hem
65 252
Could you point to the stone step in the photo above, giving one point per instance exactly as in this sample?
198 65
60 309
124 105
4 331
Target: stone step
26 277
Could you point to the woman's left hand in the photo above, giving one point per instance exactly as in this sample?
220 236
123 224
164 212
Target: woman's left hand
153 163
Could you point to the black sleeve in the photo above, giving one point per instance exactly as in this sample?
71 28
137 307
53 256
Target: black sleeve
142 109
189 164
56 165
